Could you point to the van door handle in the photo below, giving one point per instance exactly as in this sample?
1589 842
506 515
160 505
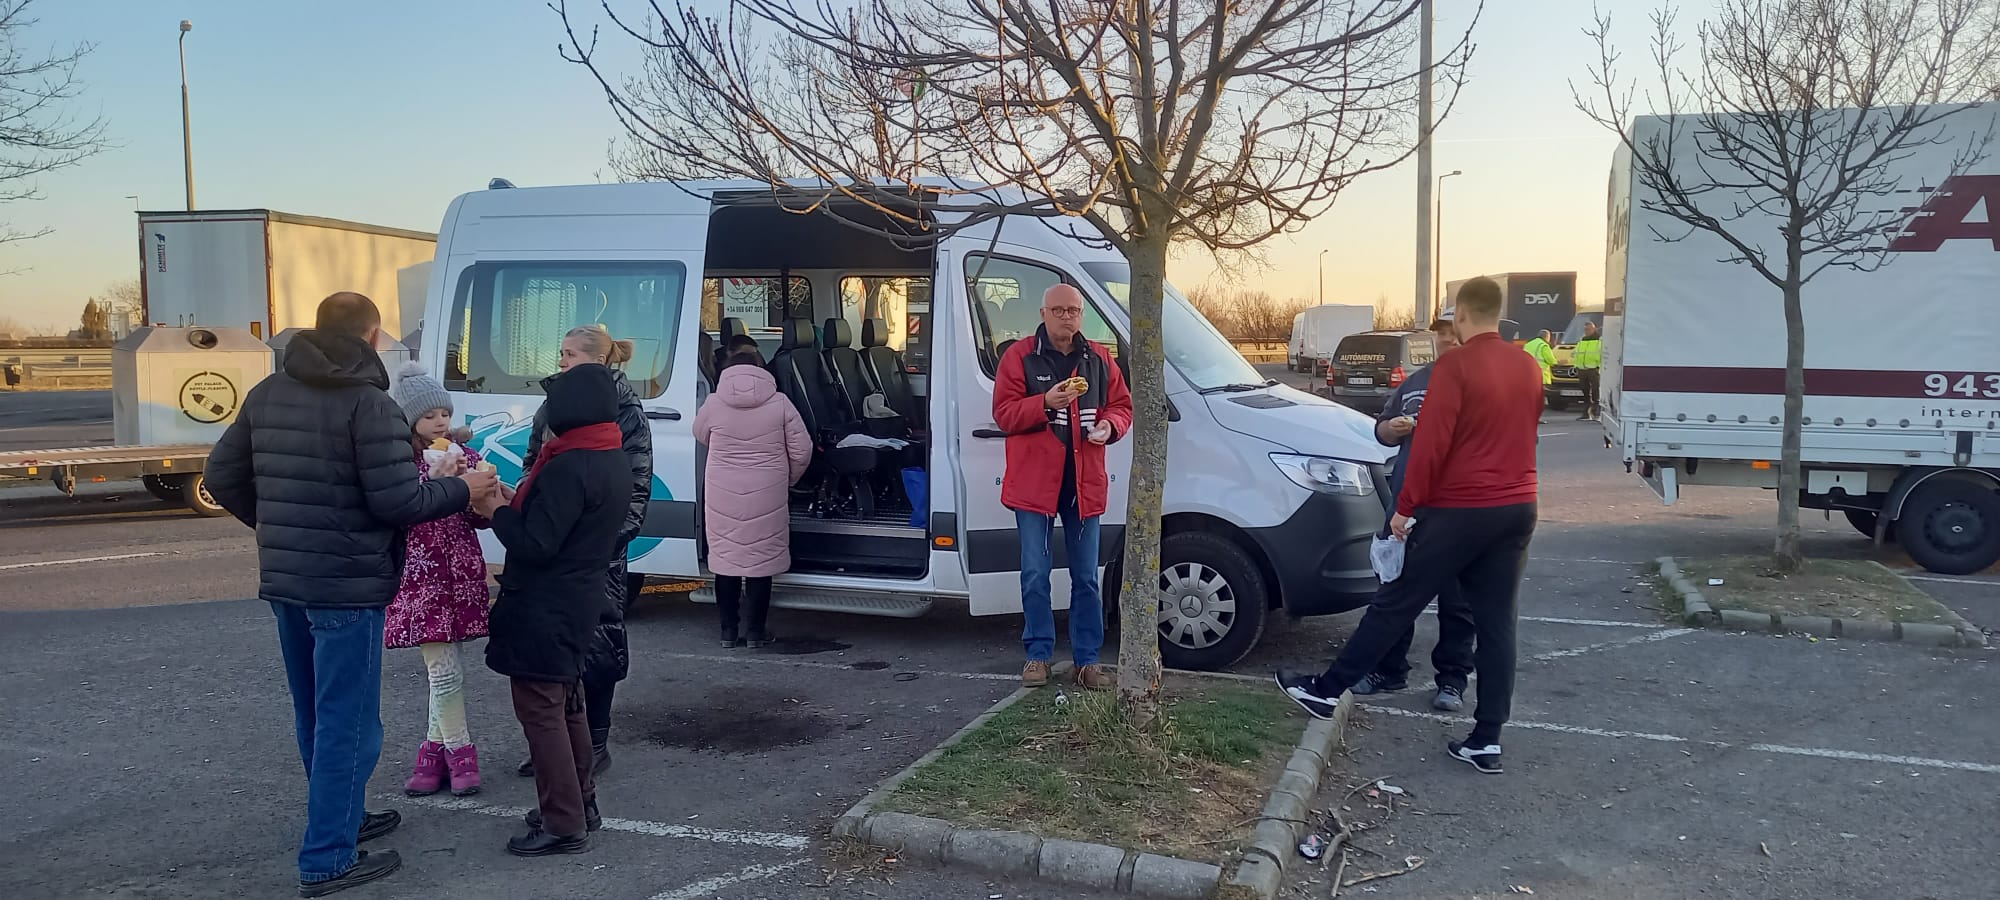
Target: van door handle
988 433
671 415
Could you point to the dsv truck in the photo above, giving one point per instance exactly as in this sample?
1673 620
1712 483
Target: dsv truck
1902 370
1272 494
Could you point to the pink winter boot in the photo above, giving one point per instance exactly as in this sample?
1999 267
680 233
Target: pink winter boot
428 776
464 765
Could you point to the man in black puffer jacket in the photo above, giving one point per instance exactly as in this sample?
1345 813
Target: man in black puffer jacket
319 463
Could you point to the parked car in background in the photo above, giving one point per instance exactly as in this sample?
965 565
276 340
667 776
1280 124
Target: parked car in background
1367 367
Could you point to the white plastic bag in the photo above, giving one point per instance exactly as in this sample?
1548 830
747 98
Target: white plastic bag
1386 555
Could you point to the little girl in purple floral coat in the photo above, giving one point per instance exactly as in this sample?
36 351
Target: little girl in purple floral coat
443 601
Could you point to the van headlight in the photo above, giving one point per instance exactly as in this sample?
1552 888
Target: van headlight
1326 475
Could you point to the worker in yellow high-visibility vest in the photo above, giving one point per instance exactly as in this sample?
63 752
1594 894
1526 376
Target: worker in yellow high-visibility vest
1589 359
1544 353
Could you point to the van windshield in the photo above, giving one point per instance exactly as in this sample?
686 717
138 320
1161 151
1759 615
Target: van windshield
1200 353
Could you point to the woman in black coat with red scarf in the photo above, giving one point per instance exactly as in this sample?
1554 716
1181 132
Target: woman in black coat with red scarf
561 529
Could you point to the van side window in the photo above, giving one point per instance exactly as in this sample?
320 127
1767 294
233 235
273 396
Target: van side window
756 299
1007 306
509 320
903 301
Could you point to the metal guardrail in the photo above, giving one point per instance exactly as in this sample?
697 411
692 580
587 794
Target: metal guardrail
53 356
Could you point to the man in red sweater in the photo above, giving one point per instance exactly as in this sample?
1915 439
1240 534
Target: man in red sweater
1467 511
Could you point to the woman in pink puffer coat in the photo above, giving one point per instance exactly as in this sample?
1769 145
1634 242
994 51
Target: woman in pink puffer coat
757 447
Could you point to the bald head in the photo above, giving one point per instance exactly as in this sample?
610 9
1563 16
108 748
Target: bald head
1062 313
349 313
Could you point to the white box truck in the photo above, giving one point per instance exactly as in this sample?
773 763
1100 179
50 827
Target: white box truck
267 271
1317 330
1902 370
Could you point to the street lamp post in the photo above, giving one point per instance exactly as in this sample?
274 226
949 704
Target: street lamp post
187 135
1437 256
1424 123
1321 293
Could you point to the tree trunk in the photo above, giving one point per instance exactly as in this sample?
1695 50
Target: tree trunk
1785 553
1139 591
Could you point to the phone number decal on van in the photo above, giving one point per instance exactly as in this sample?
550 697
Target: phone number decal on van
1962 384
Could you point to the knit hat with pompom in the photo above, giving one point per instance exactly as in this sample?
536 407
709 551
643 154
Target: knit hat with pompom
417 392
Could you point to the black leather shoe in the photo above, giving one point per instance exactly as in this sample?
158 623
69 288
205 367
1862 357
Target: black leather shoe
541 843
377 824
527 769
591 820
367 867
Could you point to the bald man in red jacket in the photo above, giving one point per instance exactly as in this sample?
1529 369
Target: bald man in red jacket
1467 512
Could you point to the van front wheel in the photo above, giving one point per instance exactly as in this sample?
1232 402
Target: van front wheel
1213 601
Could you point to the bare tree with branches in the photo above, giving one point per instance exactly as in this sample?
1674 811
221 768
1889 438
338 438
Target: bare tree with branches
1158 121
1796 113
38 132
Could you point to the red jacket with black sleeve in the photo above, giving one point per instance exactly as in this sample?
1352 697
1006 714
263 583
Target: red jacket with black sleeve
1038 438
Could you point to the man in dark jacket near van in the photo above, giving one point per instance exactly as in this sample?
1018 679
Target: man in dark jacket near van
1452 657
319 463
561 530
1057 428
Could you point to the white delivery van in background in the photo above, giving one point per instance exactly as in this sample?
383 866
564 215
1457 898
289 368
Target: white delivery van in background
1902 371
267 271
1272 496
1318 330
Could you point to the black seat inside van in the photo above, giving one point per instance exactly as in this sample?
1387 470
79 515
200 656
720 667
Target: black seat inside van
885 369
843 364
843 472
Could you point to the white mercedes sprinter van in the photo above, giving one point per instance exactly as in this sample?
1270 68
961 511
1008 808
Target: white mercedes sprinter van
1272 494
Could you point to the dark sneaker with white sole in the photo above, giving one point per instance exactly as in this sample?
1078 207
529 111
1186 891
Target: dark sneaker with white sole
377 824
1486 759
1377 683
1304 690
1450 698
367 867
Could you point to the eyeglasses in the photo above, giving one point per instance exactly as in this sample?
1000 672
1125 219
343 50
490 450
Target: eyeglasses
1067 312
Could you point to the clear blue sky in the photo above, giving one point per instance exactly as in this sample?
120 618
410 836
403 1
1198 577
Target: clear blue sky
382 112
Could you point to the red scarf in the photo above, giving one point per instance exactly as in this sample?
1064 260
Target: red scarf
602 436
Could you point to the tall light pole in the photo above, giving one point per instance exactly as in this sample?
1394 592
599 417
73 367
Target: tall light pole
1437 257
1322 278
187 135
1424 90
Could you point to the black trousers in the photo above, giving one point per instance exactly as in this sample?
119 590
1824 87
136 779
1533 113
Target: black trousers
1591 378
1483 551
747 598
1452 657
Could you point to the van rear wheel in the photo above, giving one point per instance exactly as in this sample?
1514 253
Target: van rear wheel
1213 601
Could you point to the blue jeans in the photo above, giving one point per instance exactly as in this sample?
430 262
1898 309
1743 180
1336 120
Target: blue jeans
333 664
1086 602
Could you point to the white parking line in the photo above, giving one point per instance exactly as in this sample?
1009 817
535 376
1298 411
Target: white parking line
1982 582
1660 635
1783 749
71 562
709 886
635 826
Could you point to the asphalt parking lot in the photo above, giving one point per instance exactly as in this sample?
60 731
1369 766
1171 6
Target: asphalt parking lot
148 747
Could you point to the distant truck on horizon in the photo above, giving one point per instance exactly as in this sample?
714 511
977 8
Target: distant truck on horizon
1535 302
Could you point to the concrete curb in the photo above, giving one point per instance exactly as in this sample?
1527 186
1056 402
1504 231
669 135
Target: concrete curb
1258 875
1697 612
